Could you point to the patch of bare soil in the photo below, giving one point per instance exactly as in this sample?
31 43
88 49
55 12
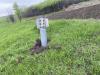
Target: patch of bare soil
37 48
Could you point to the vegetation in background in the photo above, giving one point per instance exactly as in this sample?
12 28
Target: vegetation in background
17 11
48 6
48 3
79 53
11 18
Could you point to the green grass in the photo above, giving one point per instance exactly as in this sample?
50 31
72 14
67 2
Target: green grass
80 53
46 3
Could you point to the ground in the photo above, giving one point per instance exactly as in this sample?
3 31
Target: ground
79 53
83 4
82 10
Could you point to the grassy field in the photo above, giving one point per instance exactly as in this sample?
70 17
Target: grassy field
79 53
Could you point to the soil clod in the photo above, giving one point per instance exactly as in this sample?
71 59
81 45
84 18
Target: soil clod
37 48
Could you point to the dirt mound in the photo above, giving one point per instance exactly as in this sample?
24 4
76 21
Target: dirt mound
82 10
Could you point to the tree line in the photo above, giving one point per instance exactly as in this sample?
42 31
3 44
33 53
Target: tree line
34 11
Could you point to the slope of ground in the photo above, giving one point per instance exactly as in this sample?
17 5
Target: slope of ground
48 6
83 4
79 53
83 10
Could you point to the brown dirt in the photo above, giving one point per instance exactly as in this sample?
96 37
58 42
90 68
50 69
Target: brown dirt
37 48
